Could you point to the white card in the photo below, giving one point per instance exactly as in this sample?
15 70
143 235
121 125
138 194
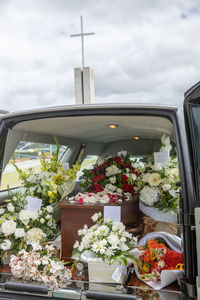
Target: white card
113 213
161 157
33 203
66 166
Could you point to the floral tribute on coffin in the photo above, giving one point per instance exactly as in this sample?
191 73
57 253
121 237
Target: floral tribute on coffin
159 198
105 242
161 259
112 180
28 217
40 264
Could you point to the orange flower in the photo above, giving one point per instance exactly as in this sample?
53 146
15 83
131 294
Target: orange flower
152 242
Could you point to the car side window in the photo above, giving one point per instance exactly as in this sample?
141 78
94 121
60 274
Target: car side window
27 155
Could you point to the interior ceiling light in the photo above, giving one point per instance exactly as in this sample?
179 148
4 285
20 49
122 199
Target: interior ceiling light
113 126
136 138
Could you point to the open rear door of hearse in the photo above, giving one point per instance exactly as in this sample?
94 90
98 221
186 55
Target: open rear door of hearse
192 123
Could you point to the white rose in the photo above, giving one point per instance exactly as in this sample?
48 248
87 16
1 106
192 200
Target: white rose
33 215
112 179
119 191
24 216
166 187
154 179
48 217
10 207
112 170
5 245
2 210
8 227
110 187
19 232
49 209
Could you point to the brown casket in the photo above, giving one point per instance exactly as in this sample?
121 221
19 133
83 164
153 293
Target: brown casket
75 216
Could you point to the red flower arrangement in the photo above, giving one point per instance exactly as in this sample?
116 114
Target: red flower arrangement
156 257
114 175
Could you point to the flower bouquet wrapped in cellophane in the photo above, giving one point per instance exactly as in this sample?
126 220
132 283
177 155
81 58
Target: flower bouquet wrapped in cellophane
160 259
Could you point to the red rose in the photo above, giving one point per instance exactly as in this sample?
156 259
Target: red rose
128 188
117 159
125 187
97 188
136 173
94 171
131 188
100 167
98 178
122 164
124 178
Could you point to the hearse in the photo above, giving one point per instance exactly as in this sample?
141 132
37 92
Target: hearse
87 129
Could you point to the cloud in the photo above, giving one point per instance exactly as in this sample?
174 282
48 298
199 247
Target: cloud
142 51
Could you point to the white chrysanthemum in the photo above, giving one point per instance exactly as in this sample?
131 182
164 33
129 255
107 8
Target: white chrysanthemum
19 232
112 170
154 179
32 179
10 207
166 187
35 235
149 195
145 177
24 216
49 209
8 227
5 245
76 244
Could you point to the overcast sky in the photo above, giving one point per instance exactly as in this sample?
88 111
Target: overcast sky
142 51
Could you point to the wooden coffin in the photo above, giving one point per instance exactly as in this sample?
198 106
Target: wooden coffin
74 216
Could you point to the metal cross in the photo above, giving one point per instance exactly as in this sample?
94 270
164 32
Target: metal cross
82 39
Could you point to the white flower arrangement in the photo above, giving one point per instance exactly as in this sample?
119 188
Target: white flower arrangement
106 241
19 227
158 182
40 264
